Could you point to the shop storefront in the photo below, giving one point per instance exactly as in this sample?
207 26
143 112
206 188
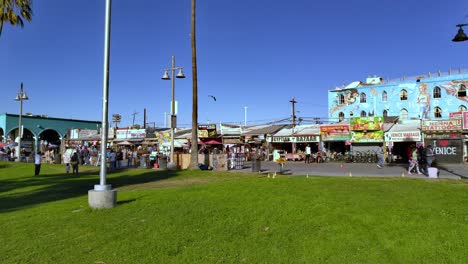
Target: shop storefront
399 139
294 141
335 138
446 139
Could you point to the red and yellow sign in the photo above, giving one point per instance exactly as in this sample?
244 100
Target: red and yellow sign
335 132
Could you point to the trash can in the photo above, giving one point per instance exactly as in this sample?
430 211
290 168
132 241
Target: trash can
162 161
144 161
256 165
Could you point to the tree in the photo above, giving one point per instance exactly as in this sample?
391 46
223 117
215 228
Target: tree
194 148
13 11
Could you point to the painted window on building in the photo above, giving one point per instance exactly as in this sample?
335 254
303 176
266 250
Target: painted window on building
462 91
403 95
363 114
461 108
403 114
436 92
363 98
341 116
384 96
437 112
341 99
385 113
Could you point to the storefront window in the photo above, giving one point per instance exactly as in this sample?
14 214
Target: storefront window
363 97
436 92
437 112
462 91
341 99
403 95
403 114
341 116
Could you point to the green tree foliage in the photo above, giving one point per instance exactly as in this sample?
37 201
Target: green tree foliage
14 11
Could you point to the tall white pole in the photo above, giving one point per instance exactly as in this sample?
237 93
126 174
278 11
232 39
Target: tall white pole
245 115
105 98
165 119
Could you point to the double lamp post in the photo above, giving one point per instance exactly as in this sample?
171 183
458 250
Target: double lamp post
166 76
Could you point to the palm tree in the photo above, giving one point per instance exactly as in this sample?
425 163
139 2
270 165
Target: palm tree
194 149
12 11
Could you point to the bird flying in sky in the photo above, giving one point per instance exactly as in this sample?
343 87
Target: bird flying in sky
214 98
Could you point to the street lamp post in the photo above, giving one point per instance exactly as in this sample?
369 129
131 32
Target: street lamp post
102 196
22 96
166 76
461 36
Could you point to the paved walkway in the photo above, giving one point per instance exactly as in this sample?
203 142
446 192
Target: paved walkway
451 171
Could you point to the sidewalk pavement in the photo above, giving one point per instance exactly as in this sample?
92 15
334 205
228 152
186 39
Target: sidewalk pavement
447 171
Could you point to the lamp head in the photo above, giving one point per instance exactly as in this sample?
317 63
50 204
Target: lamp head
180 74
461 36
166 76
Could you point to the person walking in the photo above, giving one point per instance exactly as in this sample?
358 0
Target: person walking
66 160
414 161
37 163
74 161
430 156
380 156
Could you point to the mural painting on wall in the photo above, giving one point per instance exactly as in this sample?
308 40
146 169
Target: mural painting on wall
419 99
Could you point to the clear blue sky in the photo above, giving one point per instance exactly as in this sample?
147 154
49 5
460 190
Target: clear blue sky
257 54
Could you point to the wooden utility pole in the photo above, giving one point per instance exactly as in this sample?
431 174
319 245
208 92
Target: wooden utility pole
144 118
293 112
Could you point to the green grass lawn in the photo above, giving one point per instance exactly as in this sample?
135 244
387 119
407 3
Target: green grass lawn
214 217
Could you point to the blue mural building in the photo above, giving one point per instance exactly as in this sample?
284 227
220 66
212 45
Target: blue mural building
422 110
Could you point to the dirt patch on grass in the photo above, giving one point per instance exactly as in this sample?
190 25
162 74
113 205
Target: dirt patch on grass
166 184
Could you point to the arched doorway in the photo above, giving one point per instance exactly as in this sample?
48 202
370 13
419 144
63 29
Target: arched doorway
49 139
27 140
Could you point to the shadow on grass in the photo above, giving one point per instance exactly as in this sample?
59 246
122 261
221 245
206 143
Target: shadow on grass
61 186
126 201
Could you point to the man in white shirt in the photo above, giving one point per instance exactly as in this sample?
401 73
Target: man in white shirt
308 152
37 163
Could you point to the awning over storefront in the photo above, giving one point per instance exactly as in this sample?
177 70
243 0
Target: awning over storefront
298 134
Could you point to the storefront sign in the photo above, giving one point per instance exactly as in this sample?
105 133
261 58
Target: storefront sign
335 133
295 139
452 124
446 150
366 123
206 131
83 133
465 120
403 136
130 133
455 115
442 136
365 137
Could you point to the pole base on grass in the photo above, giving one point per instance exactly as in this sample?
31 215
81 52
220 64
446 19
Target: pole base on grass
102 199
171 166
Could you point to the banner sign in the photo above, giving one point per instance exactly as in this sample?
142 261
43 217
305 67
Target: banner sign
335 133
367 137
295 139
431 125
206 131
130 133
366 123
403 136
